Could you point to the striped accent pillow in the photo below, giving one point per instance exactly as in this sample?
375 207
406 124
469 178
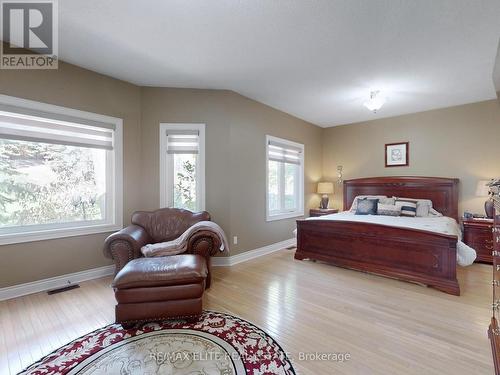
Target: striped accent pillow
408 207
423 205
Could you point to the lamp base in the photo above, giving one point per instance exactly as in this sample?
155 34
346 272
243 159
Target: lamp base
324 202
489 208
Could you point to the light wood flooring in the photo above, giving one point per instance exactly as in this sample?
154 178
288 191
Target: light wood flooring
387 326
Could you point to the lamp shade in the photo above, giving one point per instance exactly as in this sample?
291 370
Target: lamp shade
482 189
325 187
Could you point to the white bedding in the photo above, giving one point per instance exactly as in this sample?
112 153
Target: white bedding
444 225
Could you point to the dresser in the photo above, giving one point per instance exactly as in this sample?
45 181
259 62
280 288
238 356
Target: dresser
478 234
494 331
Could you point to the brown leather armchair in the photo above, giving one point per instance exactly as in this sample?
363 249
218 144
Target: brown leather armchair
161 225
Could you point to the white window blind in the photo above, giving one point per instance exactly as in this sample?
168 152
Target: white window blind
34 126
183 142
285 179
62 171
284 153
182 166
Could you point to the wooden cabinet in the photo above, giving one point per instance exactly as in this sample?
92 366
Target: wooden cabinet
478 234
320 212
494 331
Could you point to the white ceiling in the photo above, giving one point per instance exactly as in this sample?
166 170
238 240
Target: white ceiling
317 60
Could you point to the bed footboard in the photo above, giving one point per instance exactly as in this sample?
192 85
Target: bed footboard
406 254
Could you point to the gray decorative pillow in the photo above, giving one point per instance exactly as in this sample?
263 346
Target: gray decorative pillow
359 197
367 206
388 210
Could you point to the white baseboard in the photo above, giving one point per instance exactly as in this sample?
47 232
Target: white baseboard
54 282
96 273
252 254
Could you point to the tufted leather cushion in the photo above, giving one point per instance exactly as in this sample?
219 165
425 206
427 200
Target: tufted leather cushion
162 271
167 224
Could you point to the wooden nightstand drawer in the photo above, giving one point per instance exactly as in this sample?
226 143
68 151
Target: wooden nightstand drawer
320 212
478 234
483 249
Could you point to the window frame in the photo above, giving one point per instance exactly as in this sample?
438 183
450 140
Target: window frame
299 211
114 197
166 163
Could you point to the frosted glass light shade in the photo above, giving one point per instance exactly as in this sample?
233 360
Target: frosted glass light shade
375 102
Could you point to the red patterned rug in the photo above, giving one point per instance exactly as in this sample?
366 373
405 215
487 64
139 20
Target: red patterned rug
218 343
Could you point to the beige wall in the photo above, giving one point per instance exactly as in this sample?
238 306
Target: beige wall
235 157
457 142
250 123
188 106
73 87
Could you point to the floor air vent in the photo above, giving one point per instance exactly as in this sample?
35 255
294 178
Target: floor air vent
63 289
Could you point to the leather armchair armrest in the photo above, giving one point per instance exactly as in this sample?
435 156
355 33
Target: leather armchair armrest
204 243
207 244
125 245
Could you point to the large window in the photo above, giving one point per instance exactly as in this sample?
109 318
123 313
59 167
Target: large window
285 178
182 166
59 172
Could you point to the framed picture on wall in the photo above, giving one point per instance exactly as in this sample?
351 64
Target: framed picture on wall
397 154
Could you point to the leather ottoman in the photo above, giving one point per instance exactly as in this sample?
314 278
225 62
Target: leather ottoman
149 289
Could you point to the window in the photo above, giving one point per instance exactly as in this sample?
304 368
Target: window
285 179
60 172
182 166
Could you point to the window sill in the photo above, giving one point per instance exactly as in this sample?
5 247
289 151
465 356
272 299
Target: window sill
49 234
283 216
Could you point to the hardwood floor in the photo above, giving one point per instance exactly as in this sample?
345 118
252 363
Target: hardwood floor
387 326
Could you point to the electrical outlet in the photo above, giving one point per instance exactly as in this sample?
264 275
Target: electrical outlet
235 240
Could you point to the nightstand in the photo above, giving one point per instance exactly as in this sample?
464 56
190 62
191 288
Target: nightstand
478 235
320 212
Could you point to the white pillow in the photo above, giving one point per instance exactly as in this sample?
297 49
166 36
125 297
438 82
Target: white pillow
387 201
379 197
388 210
423 207
433 212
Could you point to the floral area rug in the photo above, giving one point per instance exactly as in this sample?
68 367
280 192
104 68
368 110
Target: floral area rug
218 344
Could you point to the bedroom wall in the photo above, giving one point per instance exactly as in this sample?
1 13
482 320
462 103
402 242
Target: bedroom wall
250 122
457 142
235 157
78 88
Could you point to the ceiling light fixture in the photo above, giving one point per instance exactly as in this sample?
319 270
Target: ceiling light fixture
375 102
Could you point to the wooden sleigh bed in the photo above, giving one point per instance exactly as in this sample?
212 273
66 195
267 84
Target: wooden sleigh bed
406 254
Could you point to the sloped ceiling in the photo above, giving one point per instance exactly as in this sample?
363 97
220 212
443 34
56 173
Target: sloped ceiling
317 60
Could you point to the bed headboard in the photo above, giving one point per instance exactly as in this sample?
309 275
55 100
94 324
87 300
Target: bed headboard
443 192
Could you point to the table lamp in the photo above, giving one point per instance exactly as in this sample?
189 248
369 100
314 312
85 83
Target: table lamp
325 188
483 190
